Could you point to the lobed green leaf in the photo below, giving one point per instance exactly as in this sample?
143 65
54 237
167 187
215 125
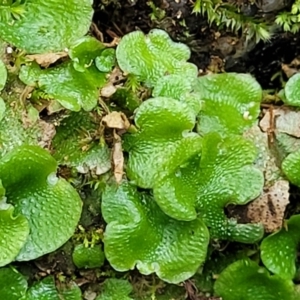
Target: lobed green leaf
279 250
231 103
13 284
84 51
163 142
72 89
139 234
292 91
14 233
209 182
244 278
291 167
106 61
152 56
190 175
178 87
45 26
115 289
46 290
51 205
88 257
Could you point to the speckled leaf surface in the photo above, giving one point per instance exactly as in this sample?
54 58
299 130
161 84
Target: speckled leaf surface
287 143
150 57
291 167
13 284
139 234
46 290
126 99
188 179
43 290
51 205
279 250
164 140
3 75
46 26
172 86
115 289
88 257
74 145
72 89
106 61
12 125
231 103
2 108
244 278
216 263
13 235
292 91
180 88
226 164
209 182
84 51
176 192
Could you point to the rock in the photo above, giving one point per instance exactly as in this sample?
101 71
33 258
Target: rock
272 5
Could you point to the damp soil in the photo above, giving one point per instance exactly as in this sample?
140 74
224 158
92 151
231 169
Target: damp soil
213 50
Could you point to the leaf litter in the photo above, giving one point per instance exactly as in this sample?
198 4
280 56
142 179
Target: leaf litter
269 208
118 122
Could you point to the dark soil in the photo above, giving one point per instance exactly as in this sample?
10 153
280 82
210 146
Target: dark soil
211 48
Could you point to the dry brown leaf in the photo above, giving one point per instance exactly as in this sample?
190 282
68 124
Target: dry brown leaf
46 59
108 90
269 208
48 133
54 107
115 77
116 120
266 160
285 121
291 68
113 43
118 159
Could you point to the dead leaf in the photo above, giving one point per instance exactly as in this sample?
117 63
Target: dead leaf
54 107
191 289
96 32
286 121
115 77
46 59
48 133
118 158
216 64
113 43
291 68
116 120
267 159
108 90
269 208
26 93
